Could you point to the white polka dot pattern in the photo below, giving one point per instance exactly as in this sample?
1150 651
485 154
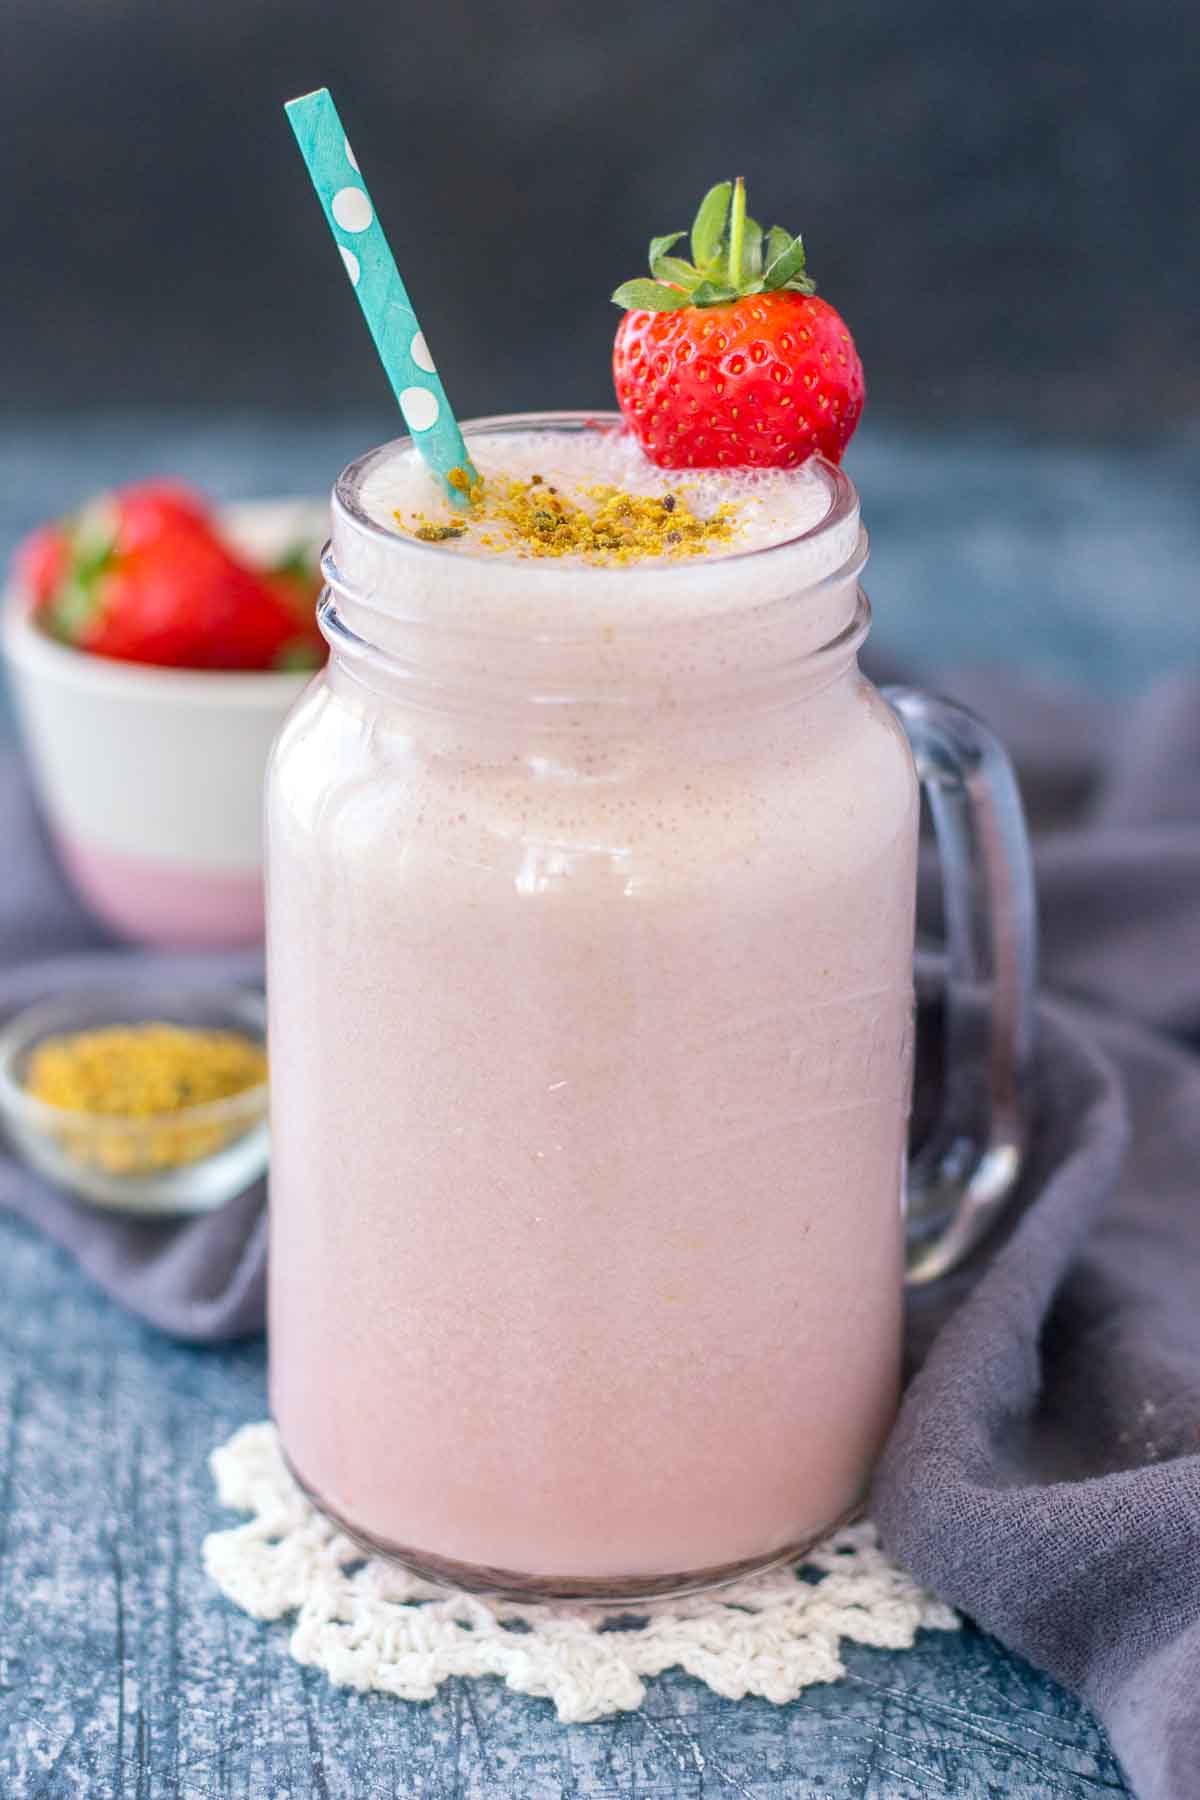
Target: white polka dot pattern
351 262
351 209
420 408
419 350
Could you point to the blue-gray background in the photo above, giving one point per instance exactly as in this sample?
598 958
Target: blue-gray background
1001 197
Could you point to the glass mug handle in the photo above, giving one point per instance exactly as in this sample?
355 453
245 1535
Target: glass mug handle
963 1176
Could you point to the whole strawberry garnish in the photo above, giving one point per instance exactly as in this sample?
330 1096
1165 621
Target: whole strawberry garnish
143 575
731 359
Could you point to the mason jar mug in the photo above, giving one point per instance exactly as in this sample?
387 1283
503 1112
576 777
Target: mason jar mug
591 926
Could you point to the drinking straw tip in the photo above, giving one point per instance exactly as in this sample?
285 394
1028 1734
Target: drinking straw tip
303 99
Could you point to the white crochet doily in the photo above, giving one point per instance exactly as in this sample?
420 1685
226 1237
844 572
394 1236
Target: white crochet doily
369 1624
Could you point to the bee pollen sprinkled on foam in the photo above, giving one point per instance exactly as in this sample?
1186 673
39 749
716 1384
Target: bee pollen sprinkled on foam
605 525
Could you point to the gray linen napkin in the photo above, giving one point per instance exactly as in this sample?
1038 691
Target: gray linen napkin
1044 1474
1045 1471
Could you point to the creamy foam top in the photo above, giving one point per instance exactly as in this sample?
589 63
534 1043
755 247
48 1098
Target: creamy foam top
795 530
769 506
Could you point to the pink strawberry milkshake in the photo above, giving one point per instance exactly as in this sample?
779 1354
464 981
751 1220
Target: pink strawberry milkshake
591 901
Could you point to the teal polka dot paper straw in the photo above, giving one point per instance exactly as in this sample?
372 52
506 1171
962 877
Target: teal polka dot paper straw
394 325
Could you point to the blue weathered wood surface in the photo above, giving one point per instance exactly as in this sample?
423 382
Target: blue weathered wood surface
125 1676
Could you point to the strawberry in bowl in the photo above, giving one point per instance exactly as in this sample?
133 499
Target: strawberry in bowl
144 575
154 648
732 360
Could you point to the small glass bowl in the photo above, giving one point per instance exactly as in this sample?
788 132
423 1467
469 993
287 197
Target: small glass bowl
190 1160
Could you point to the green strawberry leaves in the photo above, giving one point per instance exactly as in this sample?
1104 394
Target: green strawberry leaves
674 269
658 250
297 563
731 258
297 656
708 227
752 250
92 536
788 269
777 242
713 293
650 296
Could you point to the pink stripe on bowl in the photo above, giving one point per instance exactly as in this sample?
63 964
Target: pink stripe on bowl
165 905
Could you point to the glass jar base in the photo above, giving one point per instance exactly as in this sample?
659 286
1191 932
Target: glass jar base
598 1590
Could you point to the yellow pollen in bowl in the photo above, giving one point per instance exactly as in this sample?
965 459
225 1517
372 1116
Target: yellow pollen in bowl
125 1092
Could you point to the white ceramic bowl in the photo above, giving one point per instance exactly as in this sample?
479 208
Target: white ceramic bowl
151 779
